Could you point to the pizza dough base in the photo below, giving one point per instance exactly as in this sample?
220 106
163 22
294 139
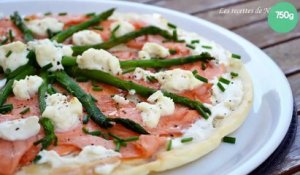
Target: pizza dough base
166 159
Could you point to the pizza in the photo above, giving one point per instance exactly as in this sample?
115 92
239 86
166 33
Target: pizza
113 93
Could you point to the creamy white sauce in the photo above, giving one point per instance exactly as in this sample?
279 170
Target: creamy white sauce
87 155
233 94
106 168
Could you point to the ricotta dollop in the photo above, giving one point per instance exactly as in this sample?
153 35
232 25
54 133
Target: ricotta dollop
13 55
86 37
64 114
40 26
94 59
159 105
48 51
20 129
24 89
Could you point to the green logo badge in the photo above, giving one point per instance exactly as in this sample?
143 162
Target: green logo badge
283 17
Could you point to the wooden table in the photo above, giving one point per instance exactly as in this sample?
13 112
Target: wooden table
283 48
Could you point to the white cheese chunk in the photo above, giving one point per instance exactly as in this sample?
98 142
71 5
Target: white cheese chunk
132 97
99 60
40 26
66 49
13 55
20 129
64 114
160 106
47 52
154 50
26 88
143 55
132 92
87 155
120 99
165 104
177 80
124 27
141 74
150 114
86 37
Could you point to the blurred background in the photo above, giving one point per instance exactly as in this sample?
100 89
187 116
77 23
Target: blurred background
248 18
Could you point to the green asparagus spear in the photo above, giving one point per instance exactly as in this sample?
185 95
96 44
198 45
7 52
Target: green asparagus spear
7 89
129 124
16 72
68 61
152 63
6 108
96 115
43 91
50 136
18 21
141 90
161 63
150 30
62 36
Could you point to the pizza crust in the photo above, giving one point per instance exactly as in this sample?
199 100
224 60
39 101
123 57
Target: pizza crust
165 159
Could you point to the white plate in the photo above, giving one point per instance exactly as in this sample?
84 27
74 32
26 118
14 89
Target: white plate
270 116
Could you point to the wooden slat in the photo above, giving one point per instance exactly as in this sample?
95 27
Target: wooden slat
286 55
295 85
263 36
193 6
235 20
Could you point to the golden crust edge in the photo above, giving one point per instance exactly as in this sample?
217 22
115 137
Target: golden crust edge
168 159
